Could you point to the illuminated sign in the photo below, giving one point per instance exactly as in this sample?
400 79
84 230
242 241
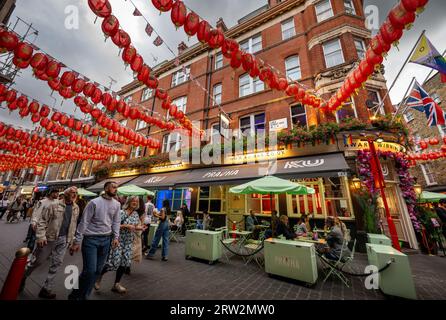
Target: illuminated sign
258 156
168 167
359 144
124 173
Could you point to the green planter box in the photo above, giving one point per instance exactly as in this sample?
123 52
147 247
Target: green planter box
291 259
397 279
378 239
203 244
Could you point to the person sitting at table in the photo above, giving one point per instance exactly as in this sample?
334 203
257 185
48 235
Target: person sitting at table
283 228
343 228
252 224
335 241
206 220
301 229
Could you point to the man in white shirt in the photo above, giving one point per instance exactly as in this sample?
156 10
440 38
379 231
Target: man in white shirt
150 218
4 203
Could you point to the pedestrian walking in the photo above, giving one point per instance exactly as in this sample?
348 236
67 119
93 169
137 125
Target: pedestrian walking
148 219
161 232
4 204
98 228
15 210
120 257
55 231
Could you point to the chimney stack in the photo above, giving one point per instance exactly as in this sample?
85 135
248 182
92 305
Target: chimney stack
221 25
181 47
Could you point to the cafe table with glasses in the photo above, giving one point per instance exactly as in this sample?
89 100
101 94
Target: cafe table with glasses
242 236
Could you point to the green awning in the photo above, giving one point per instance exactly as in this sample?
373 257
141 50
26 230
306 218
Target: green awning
271 185
132 190
85 193
427 196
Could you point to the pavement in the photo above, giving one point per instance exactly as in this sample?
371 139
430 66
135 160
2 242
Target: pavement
181 279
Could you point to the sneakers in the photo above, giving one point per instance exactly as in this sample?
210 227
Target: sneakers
45 294
97 284
164 259
119 289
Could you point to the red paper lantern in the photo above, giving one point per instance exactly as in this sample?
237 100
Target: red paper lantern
166 104
101 8
292 90
359 76
178 13
97 96
95 132
39 61
163 5
204 31
107 99
8 40
34 107
120 106
192 23
10 96
137 63
86 129
247 61
236 60
255 72
161 94
282 84
434 141
44 111
152 82
89 89
77 125
129 54
110 26
410 5
133 113
400 17
390 33
216 38
78 85
66 92
179 116
19 63
121 39
143 74
96 113
22 102
23 51
53 69
67 78
112 106
56 116
423 145
63 119
35 118
173 110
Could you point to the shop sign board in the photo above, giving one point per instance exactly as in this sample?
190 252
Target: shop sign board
358 144
279 124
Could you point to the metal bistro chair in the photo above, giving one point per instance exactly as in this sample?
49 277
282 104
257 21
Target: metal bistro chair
226 240
190 224
254 245
335 266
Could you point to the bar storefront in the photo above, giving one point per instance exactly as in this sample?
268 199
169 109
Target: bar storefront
330 169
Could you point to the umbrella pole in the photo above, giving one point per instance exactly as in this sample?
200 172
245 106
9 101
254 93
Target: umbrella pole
272 220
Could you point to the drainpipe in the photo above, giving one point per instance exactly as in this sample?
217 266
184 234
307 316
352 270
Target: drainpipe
209 90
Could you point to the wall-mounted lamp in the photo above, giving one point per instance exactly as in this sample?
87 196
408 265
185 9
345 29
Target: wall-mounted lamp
417 188
356 183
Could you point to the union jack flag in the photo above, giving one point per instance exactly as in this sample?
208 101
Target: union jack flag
420 100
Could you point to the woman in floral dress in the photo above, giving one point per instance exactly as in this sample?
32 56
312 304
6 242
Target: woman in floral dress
120 258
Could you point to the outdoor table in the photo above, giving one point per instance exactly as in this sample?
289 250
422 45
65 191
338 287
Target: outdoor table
305 239
242 235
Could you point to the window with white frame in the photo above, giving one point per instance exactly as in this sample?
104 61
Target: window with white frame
348 110
360 48
136 152
180 76
128 99
140 124
333 53
292 67
146 94
181 103
248 85
215 132
123 123
408 116
417 139
373 101
298 116
217 90
170 141
436 98
218 60
252 45
212 199
428 173
323 10
288 29
349 7
250 125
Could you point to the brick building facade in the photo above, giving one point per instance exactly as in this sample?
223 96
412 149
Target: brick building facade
430 174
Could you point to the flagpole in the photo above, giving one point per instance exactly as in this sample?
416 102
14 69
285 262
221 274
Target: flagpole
405 95
399 73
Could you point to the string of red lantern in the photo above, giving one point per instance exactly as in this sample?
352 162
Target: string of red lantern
215 39
68 86
424 144
400 17
111 28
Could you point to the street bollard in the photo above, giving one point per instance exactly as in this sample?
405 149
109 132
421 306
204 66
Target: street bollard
11 285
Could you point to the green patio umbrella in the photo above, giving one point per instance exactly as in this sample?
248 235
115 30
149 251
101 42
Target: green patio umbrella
271 185
85 193
427 196
132 190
